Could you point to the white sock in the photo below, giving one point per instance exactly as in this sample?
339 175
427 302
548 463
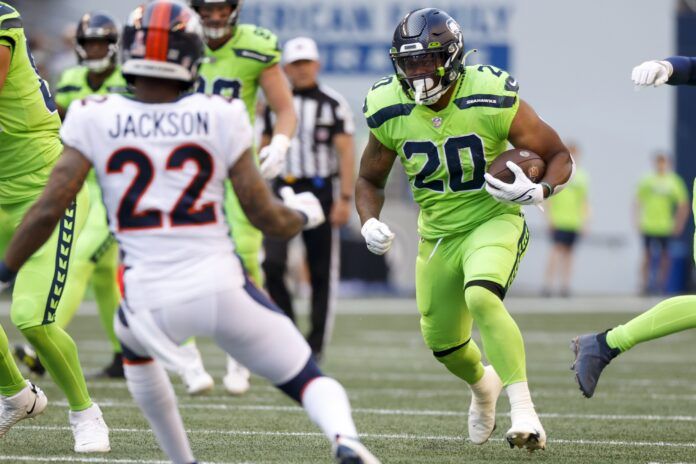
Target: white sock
152 390
327 405
520 399
192 350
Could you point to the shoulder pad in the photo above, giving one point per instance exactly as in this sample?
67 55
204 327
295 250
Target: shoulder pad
256 43
385 101
9 18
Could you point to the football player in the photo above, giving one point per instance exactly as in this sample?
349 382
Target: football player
30 146
96 252
161 160
446 123
240 58
594 351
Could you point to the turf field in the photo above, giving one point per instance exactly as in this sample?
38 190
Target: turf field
408 408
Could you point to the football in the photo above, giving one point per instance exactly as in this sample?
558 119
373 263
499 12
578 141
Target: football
530 162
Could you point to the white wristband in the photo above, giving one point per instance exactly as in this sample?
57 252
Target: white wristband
281 141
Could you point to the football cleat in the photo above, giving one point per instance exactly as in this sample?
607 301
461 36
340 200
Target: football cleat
526 431
112 371
351 451
592 355
197 380
236 381
484 396
30 402
90 431
27 356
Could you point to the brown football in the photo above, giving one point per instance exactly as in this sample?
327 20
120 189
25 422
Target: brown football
530 162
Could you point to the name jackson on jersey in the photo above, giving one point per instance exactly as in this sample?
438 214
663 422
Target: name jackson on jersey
155 124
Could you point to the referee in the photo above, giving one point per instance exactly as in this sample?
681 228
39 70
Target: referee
320 153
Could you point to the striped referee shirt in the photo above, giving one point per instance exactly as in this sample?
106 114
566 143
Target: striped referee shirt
322 113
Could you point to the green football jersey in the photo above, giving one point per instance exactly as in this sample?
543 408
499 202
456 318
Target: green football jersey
73 85
659 196
568 208
233 70
446 153
29 122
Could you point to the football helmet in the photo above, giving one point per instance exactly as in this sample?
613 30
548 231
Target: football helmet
97 25
427 53
162 39
216 31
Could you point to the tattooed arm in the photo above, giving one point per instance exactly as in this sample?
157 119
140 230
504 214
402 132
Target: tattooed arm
375 165
38 224
263 209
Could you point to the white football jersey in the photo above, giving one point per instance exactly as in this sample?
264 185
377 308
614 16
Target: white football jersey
161 168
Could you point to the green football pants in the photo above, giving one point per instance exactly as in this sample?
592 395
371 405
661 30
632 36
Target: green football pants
38 297
461 279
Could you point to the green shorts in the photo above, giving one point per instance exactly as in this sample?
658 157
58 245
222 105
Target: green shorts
490 253
247 238
39 284
96 244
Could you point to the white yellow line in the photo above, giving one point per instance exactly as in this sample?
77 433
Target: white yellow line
111 403
398 436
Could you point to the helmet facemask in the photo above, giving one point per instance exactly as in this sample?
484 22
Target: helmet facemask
427 74
97 65
218 32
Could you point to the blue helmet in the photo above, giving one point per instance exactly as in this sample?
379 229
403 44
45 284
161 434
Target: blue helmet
427 53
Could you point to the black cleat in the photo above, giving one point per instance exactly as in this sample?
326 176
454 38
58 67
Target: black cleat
27 356
112 371
592 355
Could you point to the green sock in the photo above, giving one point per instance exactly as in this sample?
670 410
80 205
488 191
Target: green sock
108 298
11 380
58 354
667 317
465 362
502 340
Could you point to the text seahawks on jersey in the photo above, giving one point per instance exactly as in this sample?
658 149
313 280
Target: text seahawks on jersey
160 124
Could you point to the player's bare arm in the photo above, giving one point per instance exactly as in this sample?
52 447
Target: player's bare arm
345 146
5 58
375 165
264 211
530 132
65 182
279 97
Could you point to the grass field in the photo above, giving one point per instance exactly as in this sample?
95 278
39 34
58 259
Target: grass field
408 408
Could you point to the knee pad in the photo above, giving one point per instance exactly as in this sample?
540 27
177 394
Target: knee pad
295 387
441 354
480 294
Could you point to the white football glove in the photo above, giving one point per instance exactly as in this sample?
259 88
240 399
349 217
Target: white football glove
651 73
272 156
378 236
522 191
306 204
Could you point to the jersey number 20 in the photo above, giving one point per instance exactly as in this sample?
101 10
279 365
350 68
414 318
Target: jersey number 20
184 212
455 171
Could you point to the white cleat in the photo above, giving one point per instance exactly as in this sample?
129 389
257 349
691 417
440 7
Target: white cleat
484 396
30 402
527 432
90 431
197 380
351 451
236 381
